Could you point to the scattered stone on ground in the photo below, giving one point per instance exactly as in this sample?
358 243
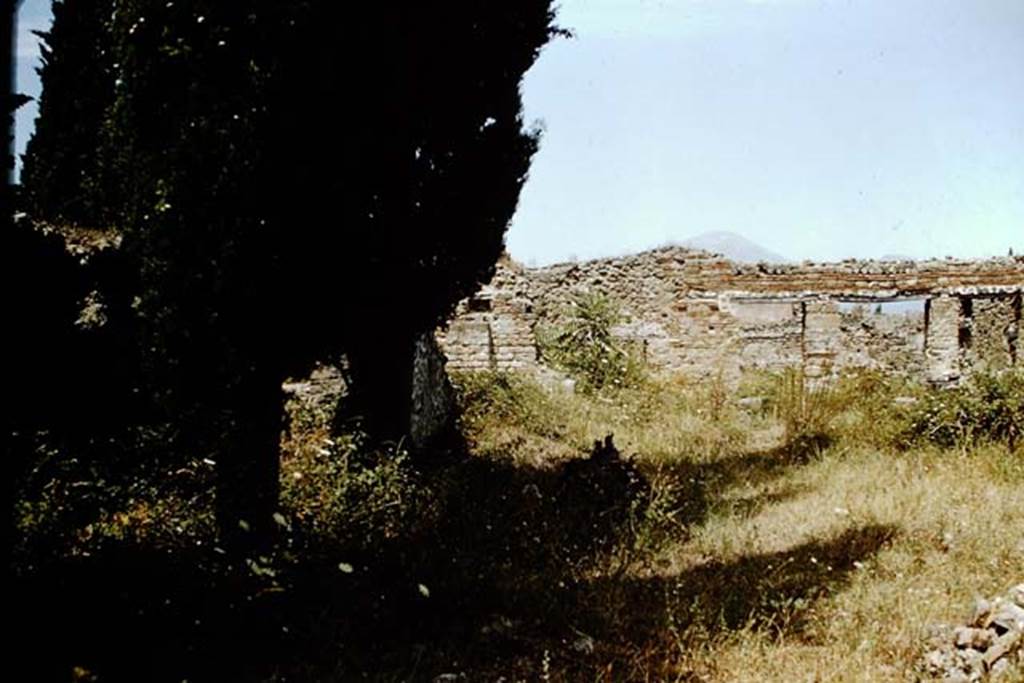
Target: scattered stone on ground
990 647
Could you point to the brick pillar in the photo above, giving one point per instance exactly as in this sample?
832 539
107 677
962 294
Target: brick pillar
821 336
943 338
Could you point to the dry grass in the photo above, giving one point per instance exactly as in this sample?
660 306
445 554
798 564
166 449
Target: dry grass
797 538
957 532
783 563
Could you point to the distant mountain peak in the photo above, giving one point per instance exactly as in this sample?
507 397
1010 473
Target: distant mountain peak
733 246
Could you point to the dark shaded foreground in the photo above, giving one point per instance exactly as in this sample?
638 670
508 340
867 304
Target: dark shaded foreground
507 568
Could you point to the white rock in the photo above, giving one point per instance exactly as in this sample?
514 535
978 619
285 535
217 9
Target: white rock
982 608
1009 616
976 638
1017 594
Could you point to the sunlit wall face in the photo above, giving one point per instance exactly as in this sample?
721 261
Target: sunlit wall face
817 129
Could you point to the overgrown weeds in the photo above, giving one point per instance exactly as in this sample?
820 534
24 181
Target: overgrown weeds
806 410
741 558
987 408
508 399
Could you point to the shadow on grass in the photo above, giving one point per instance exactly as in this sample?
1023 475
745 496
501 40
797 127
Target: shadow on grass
507 563
770 592
492 535
698 488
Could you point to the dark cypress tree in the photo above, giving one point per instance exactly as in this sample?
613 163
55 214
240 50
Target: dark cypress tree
60 176
184 141
405 148
43 285
302 179
62 183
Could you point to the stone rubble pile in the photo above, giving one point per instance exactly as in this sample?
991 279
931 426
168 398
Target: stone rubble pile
990 647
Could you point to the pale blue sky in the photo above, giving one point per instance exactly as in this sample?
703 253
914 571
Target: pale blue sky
33 15
820 129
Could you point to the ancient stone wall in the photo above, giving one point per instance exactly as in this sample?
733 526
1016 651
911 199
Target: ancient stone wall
883 341
494 329
991 331
700 314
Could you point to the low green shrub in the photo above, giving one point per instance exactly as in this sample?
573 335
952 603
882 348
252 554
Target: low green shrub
348 497
76 499
507 398
987 408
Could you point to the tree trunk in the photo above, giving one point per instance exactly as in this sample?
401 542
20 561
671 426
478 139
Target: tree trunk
248 484
381 392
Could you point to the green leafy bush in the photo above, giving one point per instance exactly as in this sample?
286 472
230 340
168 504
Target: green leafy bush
584 346
348 497
988 408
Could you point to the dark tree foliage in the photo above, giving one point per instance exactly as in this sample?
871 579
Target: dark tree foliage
39 328
74 382
60 177
25 258
405 143
185 141
302 179
61 184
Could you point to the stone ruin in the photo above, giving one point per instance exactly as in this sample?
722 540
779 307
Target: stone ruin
696 313
990 646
